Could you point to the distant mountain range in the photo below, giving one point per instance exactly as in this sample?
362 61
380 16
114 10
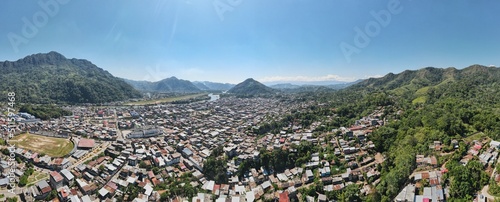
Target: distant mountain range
207 85
430 76
168 85
433 83
52 78
310 87
175 85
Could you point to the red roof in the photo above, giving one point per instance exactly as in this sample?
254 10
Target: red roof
56 176
433 181
64 193
477 147
444 170
216 187
284 197
86 143
355 128
426 200
46 190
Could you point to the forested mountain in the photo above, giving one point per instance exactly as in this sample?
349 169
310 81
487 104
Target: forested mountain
168 85
429 105
419 107
251 87
52 78
201 85
285 86
294 88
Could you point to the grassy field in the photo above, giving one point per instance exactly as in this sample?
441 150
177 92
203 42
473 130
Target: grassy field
166 100
54 147
35 177
476 136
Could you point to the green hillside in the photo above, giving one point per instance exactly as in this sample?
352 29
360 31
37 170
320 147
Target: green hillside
251 87
52 78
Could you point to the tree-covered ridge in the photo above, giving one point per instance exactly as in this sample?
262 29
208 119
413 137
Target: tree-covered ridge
251 87
44 112
451 105
168 85
52 78
420 107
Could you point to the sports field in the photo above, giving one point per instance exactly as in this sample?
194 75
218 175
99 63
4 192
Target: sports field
54 147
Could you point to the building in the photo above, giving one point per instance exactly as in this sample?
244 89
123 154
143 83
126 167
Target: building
173 159
132 160
56 180
44 189
68 176
147 133
187 152
86 144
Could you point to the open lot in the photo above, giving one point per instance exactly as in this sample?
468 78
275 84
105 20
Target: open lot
36 176
167 99
54 147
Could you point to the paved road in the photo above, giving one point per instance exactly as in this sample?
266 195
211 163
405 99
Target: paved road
486 188
485 193
93 153
96 151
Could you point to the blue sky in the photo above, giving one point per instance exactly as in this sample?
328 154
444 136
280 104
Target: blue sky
271 41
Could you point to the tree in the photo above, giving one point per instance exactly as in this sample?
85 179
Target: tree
164 196
351 193
13 199
23 180
52 195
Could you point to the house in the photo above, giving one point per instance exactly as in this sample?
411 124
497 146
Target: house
44 189
173 159
231 151
454 143
4 182
407 194
56 180
495 144
68 176
132 160
187 152
310 175
325 172
283 197
64 193
322 198
60 163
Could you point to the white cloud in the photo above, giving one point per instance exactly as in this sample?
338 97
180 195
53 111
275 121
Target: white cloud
373 76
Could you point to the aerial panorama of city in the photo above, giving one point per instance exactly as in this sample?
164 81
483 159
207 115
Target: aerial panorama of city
243 101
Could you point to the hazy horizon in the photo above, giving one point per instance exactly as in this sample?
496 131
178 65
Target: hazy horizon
272 42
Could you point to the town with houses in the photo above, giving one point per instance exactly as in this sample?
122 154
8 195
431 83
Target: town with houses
116 147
